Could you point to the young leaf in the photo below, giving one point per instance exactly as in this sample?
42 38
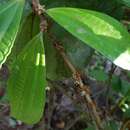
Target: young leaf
10 15
26 86
100 31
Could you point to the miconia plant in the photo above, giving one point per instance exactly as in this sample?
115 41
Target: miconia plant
81 32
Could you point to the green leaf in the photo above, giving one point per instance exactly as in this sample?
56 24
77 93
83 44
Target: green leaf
98 74
125 87
26 86
29 28
3 1
100 31
116 84
10 16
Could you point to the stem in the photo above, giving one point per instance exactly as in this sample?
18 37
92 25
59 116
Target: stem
83 89
108 85
40 10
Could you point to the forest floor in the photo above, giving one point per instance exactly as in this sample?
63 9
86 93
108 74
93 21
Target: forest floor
65 108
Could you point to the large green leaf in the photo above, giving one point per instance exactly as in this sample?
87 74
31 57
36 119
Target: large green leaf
26 86
100 31
10 16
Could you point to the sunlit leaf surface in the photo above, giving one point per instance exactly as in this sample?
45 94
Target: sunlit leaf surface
26 86
10 16
99 31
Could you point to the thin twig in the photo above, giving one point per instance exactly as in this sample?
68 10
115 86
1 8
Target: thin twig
113 67
83 89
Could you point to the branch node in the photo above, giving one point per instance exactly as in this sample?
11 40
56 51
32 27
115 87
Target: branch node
40 10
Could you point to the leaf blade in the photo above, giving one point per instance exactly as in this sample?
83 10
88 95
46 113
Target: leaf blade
98 30
26 86
10 16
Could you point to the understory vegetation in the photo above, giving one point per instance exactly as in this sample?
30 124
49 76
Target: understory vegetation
64 64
